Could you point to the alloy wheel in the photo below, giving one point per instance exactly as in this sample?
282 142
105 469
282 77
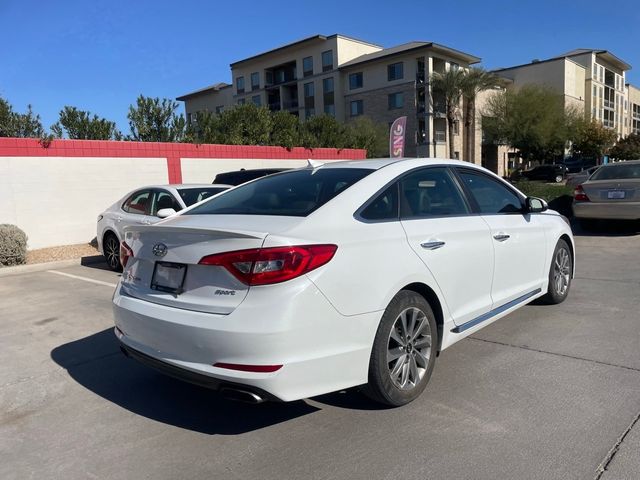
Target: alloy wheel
409 348
562 271
112 252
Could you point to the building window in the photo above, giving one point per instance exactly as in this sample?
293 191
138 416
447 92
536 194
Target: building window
355 80
395 71
241 101
328 96
357 108
456 128
307 66
256 100
595 91
327 60
240 85
255 81
219 109
396 100
309 99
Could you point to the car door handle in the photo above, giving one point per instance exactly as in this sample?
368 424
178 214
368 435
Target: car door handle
146 222
501 237
432 245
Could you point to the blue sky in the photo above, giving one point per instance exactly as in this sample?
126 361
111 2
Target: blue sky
100 56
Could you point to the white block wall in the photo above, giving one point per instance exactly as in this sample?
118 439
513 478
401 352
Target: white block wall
56 200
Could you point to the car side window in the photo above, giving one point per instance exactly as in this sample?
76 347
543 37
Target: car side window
430 192
490 195
139 203
384 206
164 200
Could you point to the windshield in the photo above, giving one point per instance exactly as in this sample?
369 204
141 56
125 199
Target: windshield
295 193
194 195
619 171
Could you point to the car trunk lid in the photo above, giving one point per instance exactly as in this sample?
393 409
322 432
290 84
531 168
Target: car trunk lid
164 268
612 191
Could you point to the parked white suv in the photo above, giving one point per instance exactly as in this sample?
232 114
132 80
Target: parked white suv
143 207
351 273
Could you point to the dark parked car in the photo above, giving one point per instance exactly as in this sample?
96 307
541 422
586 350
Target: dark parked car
548 173
579 165
242 176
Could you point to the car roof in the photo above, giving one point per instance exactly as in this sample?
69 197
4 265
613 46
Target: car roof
178 186
624 162
378 163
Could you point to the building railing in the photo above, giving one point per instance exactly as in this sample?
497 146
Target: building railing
289 104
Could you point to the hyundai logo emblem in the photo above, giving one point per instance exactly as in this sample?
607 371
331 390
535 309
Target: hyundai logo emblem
159 250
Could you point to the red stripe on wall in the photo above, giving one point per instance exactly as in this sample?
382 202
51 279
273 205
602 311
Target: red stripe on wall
173 152
174 167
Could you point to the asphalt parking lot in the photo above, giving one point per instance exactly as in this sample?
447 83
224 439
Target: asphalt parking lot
547 392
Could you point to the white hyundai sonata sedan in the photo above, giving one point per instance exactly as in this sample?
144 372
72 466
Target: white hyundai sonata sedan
348 274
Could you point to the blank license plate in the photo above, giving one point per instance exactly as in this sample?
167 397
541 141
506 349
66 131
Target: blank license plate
168 277
615 194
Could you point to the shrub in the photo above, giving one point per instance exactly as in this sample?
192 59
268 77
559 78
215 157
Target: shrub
13 245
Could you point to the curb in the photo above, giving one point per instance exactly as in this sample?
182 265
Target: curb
41 267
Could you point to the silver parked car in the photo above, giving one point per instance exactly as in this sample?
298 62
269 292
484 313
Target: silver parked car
611 193
146 206
575 179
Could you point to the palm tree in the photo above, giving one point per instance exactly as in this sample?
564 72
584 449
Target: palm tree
476 80
458 86
449 85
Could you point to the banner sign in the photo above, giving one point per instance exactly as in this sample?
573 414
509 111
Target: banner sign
396 137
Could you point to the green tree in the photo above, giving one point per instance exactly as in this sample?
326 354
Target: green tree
323 131
627 148
592 139
285 129
474 81
156 120
21 125
449 86
362 132
81 125
205 129
532 119
246 124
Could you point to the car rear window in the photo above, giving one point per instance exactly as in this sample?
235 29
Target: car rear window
194 195
618 171
296 193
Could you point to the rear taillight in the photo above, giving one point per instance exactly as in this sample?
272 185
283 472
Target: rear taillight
125 254
264 266
579 195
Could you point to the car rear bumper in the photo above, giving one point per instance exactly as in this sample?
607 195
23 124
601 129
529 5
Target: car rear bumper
607 211
319 349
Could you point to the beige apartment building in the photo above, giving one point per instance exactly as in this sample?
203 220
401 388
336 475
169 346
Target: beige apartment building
346 77
632 110
591 80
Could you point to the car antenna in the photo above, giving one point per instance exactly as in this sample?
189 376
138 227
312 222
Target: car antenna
314 163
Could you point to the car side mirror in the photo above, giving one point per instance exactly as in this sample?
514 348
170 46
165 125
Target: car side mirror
536 205
165 212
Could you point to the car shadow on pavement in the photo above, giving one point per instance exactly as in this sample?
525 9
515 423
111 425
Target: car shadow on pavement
96 363
609 228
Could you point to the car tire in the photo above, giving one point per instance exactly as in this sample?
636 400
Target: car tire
560 274
404 351
111 249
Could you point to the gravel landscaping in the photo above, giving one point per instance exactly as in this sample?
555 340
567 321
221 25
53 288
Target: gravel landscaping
63 252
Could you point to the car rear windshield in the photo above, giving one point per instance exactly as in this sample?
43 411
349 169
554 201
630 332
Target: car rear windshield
195 195
296 193
619 171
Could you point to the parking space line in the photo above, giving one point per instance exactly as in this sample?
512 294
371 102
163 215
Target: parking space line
86 279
